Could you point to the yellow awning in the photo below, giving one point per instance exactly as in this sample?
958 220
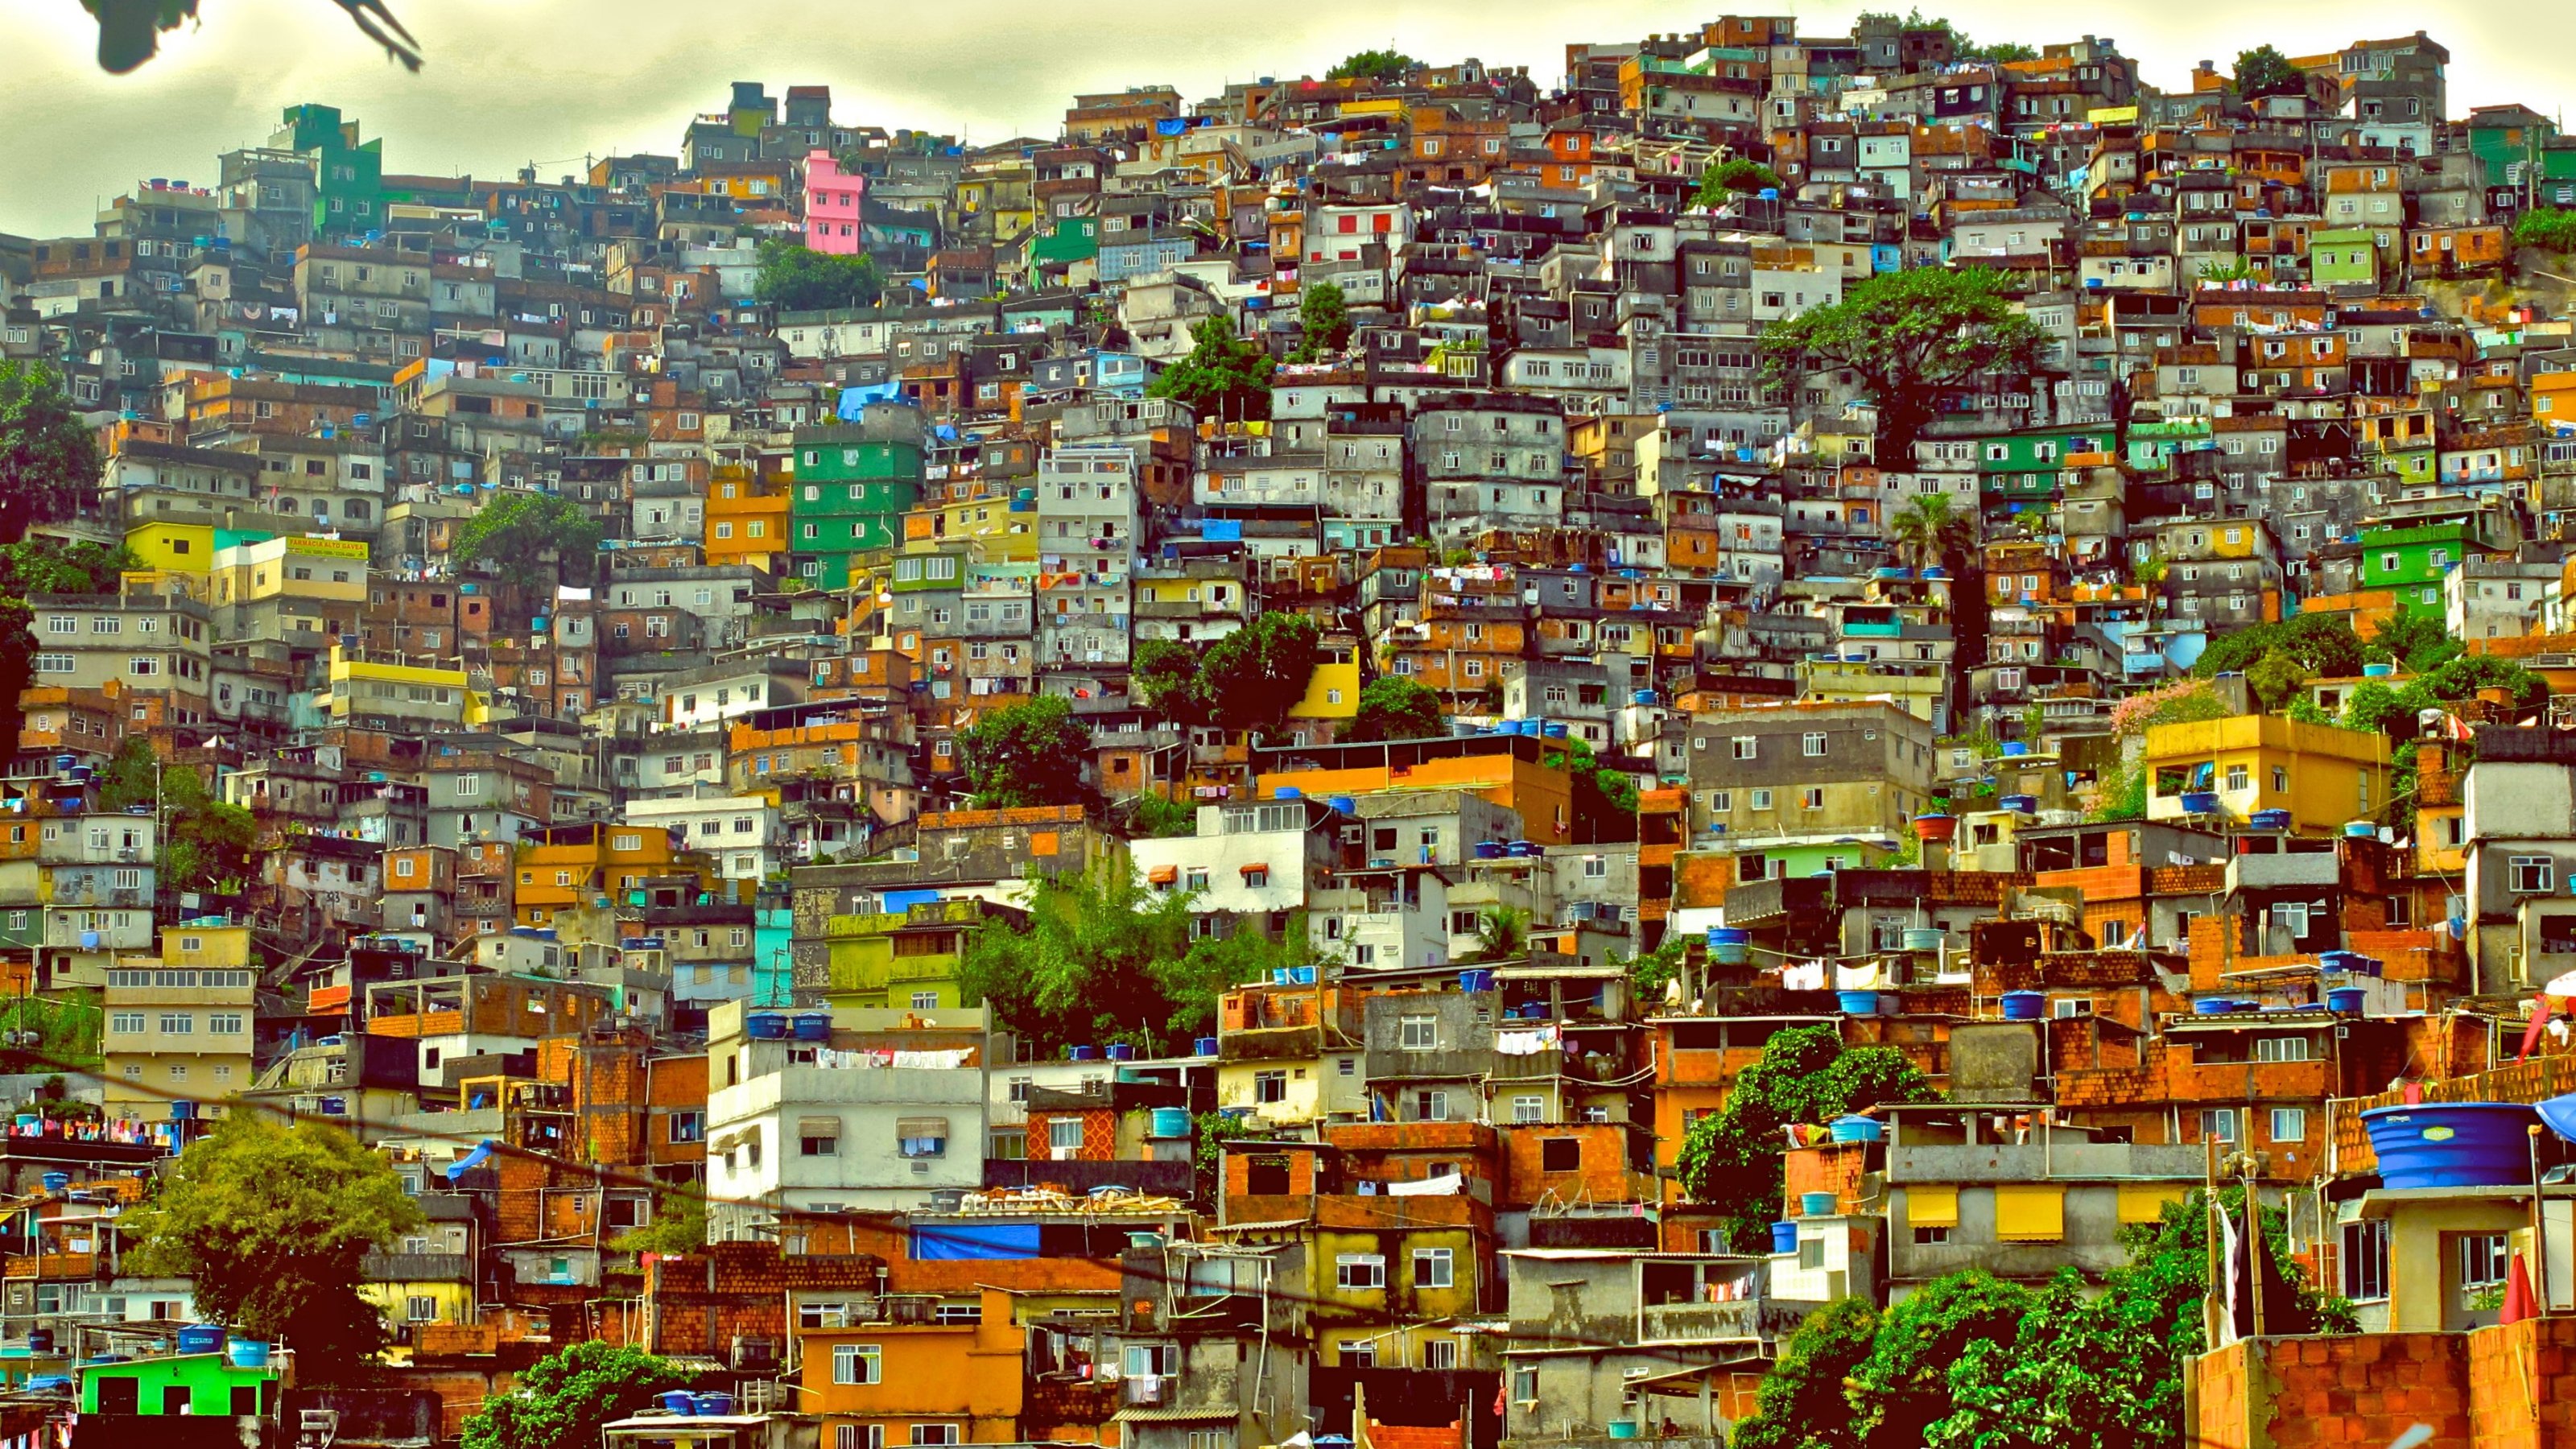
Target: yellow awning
2030 1213
2144 1202
1931 1207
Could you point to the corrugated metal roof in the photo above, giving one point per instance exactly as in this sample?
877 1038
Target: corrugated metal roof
1175 1416
1276 1226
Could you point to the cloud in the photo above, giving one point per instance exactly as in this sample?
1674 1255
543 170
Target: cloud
514 81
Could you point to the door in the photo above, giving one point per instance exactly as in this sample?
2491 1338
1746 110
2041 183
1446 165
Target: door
120 1396
174 1398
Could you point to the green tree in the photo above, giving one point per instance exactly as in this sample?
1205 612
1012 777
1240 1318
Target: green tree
2265 71
1375 65
273 1224
1605 800
206 845
1101 958
1907 337
1223 378
1930 531
2322 644
1146 816
1253 677
1903 1387
2547 228
1027 754
513 531
1502 932
1323 321
49 463
35 566
1723 180
2417 640
1393 707
2276 679
564 1400
1164 674
1801 1402
1731 1157
793 278
679 1226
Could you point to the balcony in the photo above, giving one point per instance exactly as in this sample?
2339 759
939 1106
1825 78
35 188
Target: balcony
1699 1322
418 1268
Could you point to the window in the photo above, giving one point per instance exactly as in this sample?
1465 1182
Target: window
178 1023
1814 743
857 1363
1761 799
858 1436
921 1136
1744 747
2289 1124
1529 1109
2529 875
2218 1124
1812 798
2364 1260
1268 1087
1418 1033
1560 1154
2239 776
2484 1258
1432 1267
1359 1271
688 1127
420 1308
224 1023
126 1022
2281 1049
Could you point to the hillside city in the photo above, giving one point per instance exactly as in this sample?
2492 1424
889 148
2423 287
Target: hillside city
1861 740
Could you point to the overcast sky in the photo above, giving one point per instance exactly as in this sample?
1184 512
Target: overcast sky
514 81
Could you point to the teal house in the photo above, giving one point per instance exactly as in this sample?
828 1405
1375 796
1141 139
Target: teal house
204 1385
849 497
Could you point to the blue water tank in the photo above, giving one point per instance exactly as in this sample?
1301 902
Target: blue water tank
1729 945
2452 1144
1171 1121
1857 1003
1784 1237
201 1338
811 1026
1204 1046
1858 1129
765 1026
2025 1005
1120 1051
2347 1000
1476 978
1082 1053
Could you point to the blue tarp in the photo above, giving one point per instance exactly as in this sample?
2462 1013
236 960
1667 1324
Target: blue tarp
470 1161
957 1242
855 398
1222 530
905 900
1171 126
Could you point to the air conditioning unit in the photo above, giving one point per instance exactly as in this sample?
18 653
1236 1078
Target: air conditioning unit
1063 1154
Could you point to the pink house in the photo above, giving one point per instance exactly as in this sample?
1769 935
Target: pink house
832 206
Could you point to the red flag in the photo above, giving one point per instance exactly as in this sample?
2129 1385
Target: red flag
2519 1303
2531 1033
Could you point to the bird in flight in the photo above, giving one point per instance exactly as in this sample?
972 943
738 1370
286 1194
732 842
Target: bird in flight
129 30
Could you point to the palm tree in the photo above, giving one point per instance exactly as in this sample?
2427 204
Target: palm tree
1502 933
1930 531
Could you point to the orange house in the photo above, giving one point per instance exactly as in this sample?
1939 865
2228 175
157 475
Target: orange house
1510 771
577 866
746 520
918 1382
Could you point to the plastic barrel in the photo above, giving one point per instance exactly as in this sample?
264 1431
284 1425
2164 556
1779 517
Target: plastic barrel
812 1025
1489 850
40 1340
1171 1121
1082 1053
765 1026
1555 731
715 1403
2346 1000
1857 1003
1816 1204
1204 1046
1120 1051
2451 1144
680 1401
2025 1005
1784 1237
1859 1129
1303 975
57 1181
201 1338
1729 946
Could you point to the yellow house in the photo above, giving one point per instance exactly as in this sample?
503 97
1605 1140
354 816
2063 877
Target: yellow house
317 571
2324 776
181 1025
178 547
1333 690
2553 400
363 687
1916 686
2447 1249
428 1277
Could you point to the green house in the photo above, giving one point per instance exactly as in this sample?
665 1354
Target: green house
2152 445
2412 560
1071 239
349 175
849 497
2343 256
2020 471
206 1385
